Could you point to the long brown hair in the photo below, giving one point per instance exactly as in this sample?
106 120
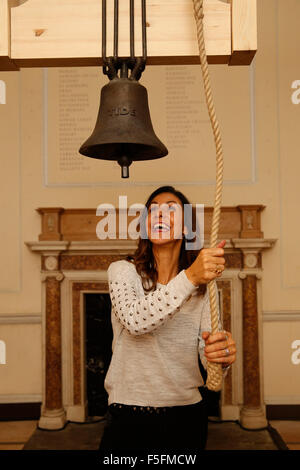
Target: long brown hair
143 258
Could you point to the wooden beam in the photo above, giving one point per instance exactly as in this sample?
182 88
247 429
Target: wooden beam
68 32
5 53
244 31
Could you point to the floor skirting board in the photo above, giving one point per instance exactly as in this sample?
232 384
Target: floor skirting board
19 411
288 412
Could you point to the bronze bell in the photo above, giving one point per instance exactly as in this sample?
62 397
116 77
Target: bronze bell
123 130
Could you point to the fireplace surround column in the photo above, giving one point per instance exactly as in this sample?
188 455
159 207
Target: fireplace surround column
52 411
252 413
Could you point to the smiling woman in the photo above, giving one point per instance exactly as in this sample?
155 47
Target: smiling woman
165 218
161 325
164 206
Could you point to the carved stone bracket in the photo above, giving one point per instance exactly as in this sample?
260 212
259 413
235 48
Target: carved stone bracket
50 223
251 221
251 249
244 274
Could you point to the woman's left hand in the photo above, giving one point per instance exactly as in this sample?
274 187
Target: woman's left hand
219 347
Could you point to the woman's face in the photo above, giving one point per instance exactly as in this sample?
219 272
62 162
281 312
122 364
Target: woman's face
165 219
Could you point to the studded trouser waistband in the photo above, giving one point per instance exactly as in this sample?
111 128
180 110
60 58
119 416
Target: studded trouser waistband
147 409
138 409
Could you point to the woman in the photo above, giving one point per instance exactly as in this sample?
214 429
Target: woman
161 324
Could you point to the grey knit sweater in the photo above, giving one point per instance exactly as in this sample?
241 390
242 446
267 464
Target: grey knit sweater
157 339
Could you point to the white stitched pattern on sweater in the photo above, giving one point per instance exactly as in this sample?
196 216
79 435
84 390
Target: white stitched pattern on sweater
156 306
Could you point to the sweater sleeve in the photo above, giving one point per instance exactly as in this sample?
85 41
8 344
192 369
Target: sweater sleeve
143 313
205 324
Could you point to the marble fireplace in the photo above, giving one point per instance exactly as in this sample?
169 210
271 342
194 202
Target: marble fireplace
74 262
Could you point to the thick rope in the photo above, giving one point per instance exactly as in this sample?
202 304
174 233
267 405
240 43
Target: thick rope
214 370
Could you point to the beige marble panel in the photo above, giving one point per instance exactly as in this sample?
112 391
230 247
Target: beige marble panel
280 367
10 182
288 83
22 373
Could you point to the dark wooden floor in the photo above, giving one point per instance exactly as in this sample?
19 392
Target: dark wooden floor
221 436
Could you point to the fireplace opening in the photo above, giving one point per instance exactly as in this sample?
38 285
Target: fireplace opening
98 343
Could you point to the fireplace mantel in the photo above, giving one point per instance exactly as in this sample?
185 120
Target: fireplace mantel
74 262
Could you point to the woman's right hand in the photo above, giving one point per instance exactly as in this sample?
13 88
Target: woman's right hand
208 265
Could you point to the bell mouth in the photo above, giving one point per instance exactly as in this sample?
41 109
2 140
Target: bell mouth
113 151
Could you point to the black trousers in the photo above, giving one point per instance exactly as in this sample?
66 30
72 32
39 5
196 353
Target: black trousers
172 428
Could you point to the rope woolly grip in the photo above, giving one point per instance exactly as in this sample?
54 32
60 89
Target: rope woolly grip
214 370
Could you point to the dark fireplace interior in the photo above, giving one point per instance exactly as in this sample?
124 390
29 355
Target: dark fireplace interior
98 350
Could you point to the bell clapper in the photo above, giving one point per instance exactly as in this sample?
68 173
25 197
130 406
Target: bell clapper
125 163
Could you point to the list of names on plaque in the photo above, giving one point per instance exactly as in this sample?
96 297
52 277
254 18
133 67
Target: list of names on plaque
75 121
183 107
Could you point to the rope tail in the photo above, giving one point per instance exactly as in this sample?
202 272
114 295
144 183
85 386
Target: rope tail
214 370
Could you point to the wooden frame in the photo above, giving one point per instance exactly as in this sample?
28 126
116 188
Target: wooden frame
68 32
5 35
244 31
